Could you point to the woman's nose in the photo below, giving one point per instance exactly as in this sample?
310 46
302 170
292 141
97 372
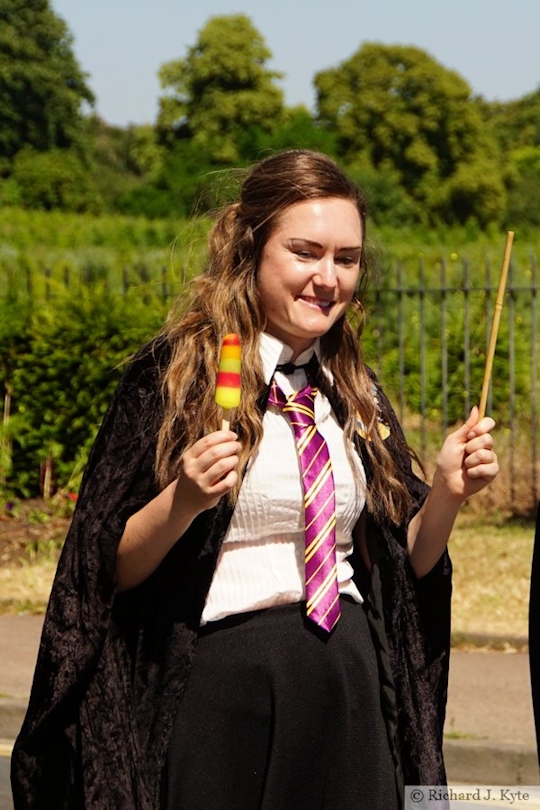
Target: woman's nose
326 272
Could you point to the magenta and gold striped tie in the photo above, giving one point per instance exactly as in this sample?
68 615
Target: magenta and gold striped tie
322 594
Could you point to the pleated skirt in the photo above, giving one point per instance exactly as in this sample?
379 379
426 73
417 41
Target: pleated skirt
277 717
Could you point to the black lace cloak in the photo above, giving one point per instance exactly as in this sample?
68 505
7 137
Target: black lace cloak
112 668
534 631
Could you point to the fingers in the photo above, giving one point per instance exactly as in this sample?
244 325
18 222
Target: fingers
480 459
208 468
482 464
213 456
485 425
482 442
473 434
209 442
467 461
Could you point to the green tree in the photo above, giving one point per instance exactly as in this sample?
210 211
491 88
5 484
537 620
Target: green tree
221 89
54 179
297 129
514 123
122 160
516 127
524 187
396 110
178 186
42 86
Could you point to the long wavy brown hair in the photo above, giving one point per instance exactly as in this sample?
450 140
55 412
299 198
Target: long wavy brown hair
225 299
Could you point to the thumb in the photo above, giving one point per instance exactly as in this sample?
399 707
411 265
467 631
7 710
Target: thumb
462 433
472 420
473 416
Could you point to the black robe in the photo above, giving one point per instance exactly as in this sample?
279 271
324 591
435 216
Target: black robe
534 631
112 668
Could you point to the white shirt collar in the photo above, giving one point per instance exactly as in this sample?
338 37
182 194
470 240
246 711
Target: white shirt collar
274 351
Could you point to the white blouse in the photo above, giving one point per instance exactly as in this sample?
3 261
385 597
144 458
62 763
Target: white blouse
261 562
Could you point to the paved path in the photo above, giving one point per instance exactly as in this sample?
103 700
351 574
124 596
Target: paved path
19 641
489 697
489 732
6 802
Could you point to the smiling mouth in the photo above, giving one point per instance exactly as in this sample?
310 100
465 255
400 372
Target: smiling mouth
320 303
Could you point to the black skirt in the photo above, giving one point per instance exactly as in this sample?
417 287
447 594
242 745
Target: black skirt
277 717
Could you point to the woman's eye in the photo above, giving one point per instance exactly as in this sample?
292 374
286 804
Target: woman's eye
347 261
304 254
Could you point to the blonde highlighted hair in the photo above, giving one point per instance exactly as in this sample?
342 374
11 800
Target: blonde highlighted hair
225 299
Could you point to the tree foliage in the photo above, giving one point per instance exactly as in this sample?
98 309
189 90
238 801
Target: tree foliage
297 129
53 179
221 89
397 111
515 123
42 85
122 159
516 127
405 127
61 365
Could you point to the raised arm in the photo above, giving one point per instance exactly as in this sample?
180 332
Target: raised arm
466 464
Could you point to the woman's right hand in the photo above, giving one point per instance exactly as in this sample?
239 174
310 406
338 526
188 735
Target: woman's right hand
208 470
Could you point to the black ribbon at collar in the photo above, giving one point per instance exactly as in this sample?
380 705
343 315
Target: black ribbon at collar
290 368
311 368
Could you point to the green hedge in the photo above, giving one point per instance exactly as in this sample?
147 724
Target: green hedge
78 295
60 365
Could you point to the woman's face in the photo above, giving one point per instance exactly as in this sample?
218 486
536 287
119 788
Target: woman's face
309 269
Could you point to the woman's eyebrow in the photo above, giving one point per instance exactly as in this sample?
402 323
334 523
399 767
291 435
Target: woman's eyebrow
312 243
303 241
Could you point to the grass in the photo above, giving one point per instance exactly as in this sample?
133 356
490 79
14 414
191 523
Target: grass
492 565
457 735
25 586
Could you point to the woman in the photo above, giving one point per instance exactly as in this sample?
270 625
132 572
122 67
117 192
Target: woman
180 664
534 630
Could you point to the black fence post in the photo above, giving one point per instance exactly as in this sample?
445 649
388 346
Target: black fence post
534 379
47 273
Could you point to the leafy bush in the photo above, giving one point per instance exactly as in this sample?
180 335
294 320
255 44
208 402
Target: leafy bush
52 180
78 294
61 365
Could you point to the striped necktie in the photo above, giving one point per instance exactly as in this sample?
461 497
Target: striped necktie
322 594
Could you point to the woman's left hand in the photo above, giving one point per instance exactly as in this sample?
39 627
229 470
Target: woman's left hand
465 465
467 461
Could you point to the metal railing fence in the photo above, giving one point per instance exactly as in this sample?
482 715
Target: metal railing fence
426 336
427 339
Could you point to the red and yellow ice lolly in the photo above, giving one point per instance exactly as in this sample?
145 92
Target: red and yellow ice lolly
228 377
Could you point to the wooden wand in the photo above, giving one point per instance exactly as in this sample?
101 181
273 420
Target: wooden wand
495 324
